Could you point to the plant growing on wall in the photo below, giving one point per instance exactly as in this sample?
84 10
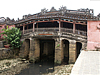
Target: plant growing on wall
58 45
12 35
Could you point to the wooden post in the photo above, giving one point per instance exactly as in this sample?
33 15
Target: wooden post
33 26
37 26
59 26
23 28
73 27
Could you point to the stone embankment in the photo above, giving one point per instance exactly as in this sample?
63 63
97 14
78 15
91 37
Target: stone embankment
12 66
62 70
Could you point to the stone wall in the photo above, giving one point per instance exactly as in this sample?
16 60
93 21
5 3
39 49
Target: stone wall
25 48
37 49
34 53
6 53
84 46
30 49
1 44
93 35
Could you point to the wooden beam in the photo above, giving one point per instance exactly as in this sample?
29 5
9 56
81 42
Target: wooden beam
23 29
33 26
74 27
72 22
59 26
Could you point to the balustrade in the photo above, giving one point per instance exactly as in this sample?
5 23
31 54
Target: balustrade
84 33
81 32
46 29
28 30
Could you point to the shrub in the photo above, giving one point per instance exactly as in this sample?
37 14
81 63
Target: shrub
12 36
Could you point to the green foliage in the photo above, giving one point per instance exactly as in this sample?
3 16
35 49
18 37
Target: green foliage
13 36
57 62
58 45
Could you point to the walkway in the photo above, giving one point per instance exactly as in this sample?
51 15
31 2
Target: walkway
88 63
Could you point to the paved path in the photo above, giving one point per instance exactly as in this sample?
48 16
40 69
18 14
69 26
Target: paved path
88 63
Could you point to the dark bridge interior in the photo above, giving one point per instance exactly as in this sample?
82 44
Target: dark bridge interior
47 50
66 51
78 48
47 24
67 25
81 27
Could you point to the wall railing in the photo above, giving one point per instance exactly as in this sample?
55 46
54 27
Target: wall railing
84 33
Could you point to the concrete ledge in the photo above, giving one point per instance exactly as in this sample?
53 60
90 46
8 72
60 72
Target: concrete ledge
88 63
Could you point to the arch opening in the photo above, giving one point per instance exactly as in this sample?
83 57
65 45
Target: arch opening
65 51
47 50
78 48
27 48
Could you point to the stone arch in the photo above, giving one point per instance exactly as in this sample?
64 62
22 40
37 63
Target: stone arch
27 48
78 48
47 49
65 49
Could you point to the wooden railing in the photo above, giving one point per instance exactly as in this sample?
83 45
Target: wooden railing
28 30
84 33
67 30
46 29
56 30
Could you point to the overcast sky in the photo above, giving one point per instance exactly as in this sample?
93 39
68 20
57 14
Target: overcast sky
17 8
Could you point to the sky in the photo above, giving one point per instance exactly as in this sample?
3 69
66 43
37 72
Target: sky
17 8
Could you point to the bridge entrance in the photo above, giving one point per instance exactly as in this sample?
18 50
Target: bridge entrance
78 48
27 48
47 50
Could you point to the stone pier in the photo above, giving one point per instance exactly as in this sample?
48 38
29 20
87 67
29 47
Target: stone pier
25 48
72 51
58 51
34 53
32 50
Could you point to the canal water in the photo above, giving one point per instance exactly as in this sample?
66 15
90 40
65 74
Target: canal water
39 68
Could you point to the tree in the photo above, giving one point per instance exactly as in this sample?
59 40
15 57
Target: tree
12 35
